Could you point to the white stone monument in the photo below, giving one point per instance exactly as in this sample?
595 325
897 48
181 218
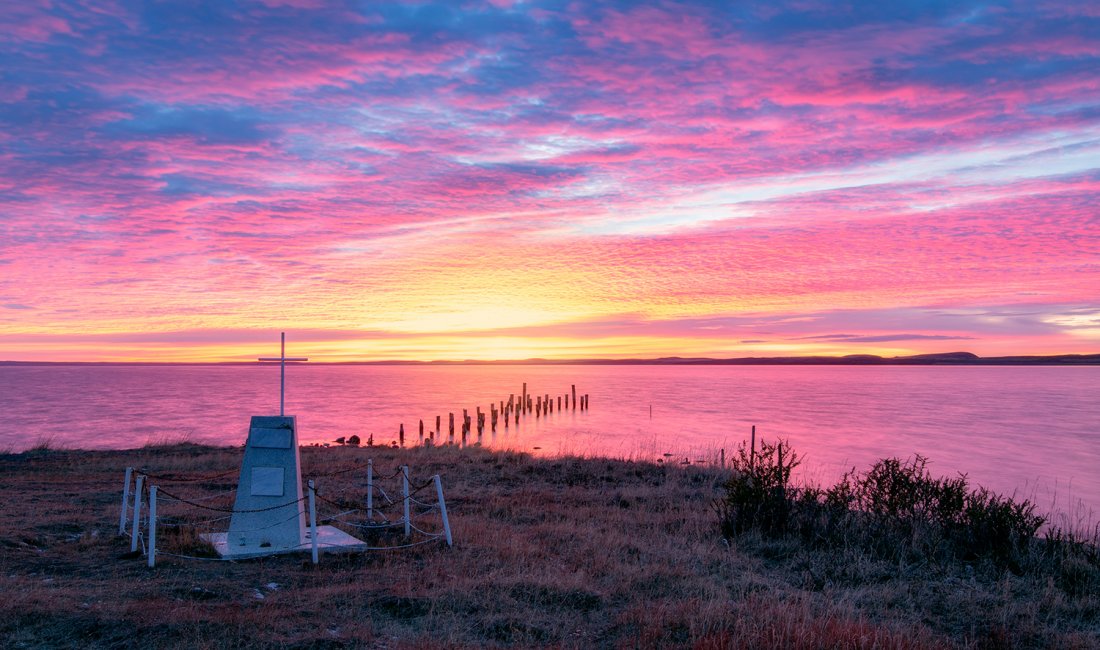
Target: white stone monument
270 514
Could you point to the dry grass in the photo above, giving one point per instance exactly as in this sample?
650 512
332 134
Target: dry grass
572 552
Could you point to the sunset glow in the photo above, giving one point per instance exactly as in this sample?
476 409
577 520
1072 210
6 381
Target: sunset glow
507 180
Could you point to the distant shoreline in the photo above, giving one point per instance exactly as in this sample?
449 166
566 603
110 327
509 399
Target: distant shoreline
945 359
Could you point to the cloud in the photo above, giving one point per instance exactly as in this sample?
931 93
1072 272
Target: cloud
881 338
699 173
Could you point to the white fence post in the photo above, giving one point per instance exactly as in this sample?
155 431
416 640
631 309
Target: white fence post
153 526
137 513
405 495
443 509
313 521
370 490
125 501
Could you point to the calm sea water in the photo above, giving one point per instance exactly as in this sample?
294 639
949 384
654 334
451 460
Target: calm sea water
1033 431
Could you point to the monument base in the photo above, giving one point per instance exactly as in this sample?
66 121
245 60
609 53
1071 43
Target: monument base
329 540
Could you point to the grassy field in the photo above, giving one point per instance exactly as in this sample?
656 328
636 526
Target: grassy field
569 552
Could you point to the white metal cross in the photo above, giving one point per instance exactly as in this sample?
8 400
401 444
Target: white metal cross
282 359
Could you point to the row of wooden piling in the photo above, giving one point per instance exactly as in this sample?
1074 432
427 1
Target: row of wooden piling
500 412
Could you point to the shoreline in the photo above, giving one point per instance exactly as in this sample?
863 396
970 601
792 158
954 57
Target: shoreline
1057 507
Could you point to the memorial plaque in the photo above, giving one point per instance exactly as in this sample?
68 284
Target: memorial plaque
267 481
270 438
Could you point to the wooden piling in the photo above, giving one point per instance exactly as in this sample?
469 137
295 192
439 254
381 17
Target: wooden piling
752 448
779 466
573 389
526 404
422 431
401 434
451 426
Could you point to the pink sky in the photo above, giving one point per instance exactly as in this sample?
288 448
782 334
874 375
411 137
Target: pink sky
548 179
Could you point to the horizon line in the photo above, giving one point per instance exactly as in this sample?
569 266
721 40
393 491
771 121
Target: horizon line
949 358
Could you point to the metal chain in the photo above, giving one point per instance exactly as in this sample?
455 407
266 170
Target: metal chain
204 507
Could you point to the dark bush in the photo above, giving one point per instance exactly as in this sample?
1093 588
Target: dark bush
896 509
759 495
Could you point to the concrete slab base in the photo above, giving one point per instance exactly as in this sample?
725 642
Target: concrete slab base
329 540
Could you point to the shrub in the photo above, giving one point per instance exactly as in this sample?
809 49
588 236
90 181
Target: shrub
759 494
896 509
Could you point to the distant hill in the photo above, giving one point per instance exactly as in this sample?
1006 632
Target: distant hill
945 356
942 358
